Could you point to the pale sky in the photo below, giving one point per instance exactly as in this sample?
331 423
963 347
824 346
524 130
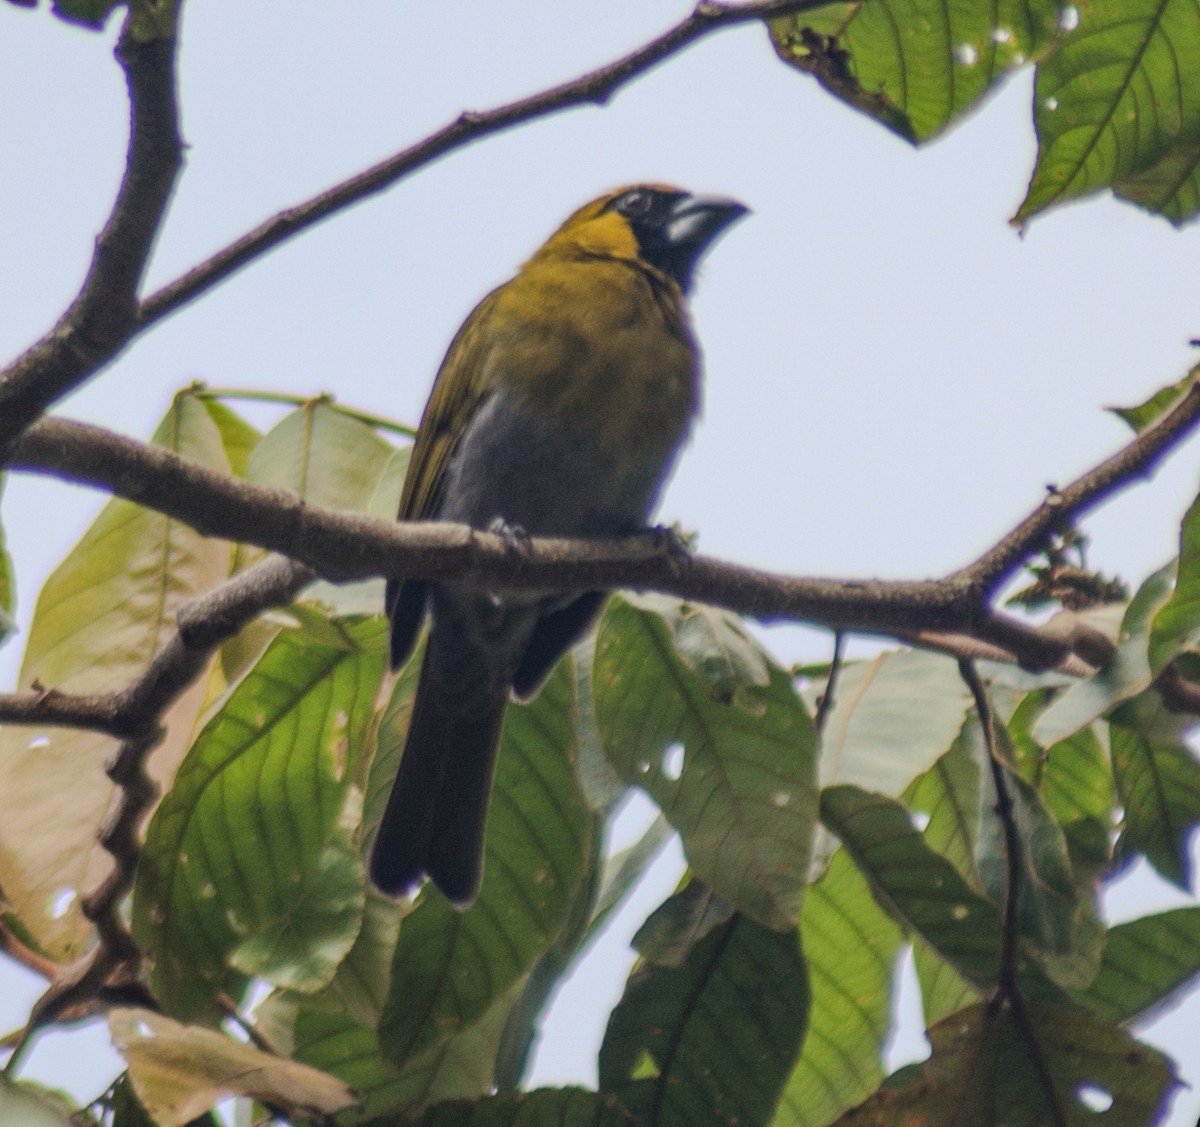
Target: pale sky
893 373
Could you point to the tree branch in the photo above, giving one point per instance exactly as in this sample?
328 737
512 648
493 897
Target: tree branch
203 623
346 546
1063 506
596 87
1008 987
105 315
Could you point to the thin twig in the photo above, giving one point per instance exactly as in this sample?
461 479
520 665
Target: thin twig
105 315
597 87
825 706
256 1037
1063 506
1008 985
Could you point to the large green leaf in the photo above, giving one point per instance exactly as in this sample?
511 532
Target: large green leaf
915 65
230 850
1120 99
1147 963
711 1041
330 459
100 618
548 1107
305 946
450 967
457 1067
916 884
1176 626
989 1068
1159 786
892 718
1127 675
693 713
851 946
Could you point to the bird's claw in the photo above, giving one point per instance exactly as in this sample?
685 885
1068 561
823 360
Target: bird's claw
676 544
514 537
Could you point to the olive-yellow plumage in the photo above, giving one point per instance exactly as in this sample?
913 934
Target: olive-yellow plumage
558 411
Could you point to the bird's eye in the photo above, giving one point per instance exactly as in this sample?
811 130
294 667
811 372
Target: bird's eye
635 204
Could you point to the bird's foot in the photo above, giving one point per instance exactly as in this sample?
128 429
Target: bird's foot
515 538
676 544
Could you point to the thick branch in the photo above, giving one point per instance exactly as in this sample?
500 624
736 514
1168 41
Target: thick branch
596 87
104 316
346 546
107 315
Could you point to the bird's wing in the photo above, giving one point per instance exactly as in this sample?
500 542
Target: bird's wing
457 394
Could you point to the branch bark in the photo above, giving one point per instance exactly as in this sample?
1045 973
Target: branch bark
345 546
105 315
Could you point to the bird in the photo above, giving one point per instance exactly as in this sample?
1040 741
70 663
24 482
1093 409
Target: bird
558 410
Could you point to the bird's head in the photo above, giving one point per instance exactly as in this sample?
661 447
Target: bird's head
665 227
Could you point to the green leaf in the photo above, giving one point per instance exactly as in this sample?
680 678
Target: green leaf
679 923
1147 413
678 1044
917 885
1170 187
101 617
851 946
254 805
1158 784
1147 963
948 796
1078 790
915 66
728 757
1155 590
892 718
549 1107
1176 626
943 990
306 944
459 1066
92 14
1127 675
27 1105
330 459
237 435
984 1069
324 455
1115 99
449 966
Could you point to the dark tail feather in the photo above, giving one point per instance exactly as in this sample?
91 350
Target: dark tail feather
435 817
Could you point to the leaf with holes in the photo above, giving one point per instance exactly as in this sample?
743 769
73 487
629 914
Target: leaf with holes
254 805
101 617
1116 99
728 758
915 66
